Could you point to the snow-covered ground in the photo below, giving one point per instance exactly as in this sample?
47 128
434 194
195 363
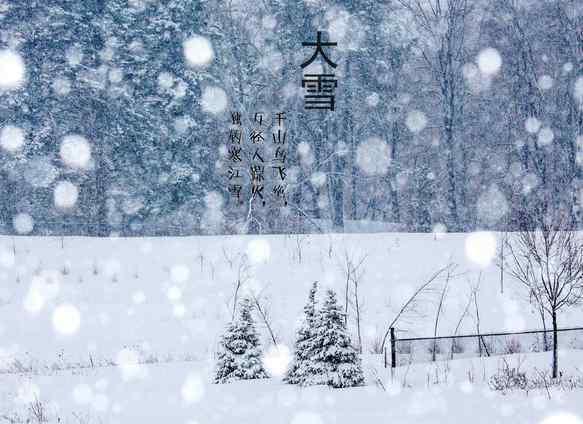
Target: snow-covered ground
181 393
69 304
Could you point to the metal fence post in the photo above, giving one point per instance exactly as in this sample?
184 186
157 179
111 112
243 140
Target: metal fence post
393 350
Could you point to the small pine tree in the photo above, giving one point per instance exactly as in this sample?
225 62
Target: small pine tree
240 355
302 366
337 362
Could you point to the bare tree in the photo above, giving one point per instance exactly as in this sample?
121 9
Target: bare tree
242 277
264 314
475 291
410 305
438 313
460 322
353 272
549 262
443 25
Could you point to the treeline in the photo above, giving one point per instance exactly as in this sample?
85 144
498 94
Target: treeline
456 114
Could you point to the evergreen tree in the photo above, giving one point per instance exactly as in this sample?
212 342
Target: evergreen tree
302 365
240 354
337 363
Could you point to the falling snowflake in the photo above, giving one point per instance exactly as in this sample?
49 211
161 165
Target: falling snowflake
12 70
61 86
373 156
198 51
303 148
258 251
23 223
43 289
214 100
416 121
318 179
12 138
129 365
75 151
276 360
492 205
545 136
439 230
532 125
545 82
165 80
481 247
174 294
489 61
65 195
66 319
578 90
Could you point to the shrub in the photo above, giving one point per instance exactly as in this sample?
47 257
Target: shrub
508 378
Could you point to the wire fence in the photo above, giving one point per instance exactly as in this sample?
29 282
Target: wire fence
404 351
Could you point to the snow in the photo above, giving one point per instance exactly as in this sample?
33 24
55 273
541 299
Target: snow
66 319
28 392
303 148
83 394
214 100
12 138
128 362
180 273
165 360
532 125
65 195
193 389
164 397
269 22
481 247
562 418
39 172
198 51
578 89
174 293
307 417
74 55
7 257
373 156
416 121
489 61
165 80
23 223
492 205
12 70
545 136
276 360
44 287
318 179
373 99
258 251
62 86
75 151
545 82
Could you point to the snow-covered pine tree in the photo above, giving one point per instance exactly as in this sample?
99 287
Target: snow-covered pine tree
302 367
337 362
240 352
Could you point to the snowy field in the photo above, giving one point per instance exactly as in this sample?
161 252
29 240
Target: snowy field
125 330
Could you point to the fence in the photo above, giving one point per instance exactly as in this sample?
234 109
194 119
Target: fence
424 349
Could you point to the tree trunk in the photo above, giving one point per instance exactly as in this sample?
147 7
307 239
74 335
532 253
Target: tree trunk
555 344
